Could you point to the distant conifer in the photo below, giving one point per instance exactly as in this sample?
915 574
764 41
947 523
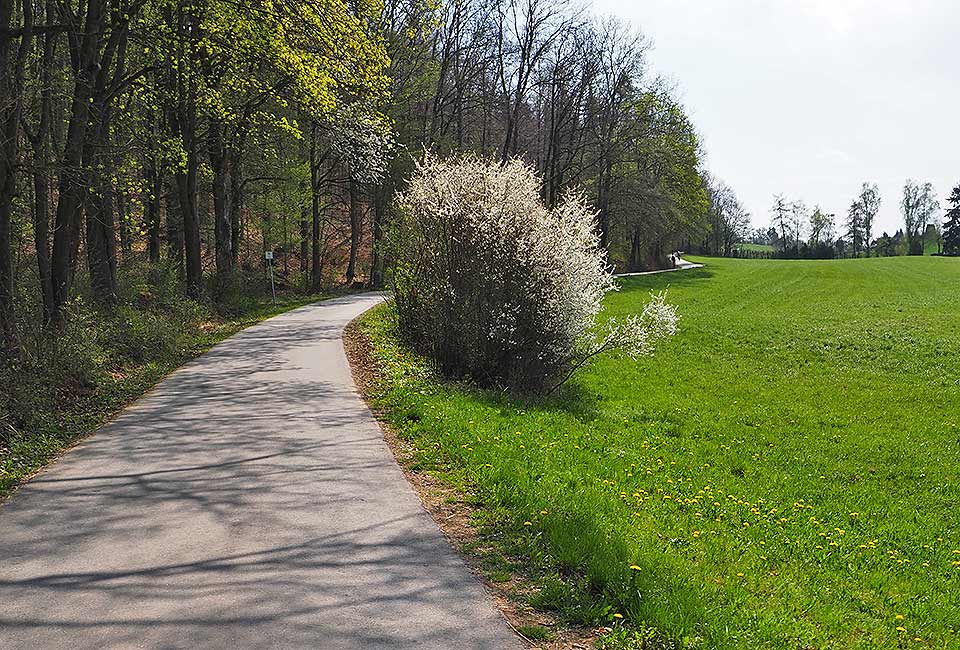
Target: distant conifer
951 228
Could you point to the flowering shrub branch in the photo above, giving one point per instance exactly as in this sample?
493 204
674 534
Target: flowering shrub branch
636 336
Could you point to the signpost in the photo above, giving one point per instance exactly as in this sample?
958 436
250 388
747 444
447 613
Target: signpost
269 257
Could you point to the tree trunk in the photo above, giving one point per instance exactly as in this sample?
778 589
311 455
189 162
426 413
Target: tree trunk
152 210
11 98
379 216
41 173
354 230
304 245
101 242
603 205
315 270
174 230
101 245
236 203
223 236
41 229
97 162
187 193
72 187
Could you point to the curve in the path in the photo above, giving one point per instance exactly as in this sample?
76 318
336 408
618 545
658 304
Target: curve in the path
681 265
247 502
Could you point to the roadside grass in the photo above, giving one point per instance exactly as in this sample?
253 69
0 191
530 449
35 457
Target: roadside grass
783 474
70 386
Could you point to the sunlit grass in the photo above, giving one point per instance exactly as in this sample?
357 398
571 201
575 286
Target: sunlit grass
784 473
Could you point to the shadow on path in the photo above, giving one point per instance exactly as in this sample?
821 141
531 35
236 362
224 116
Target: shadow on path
248 501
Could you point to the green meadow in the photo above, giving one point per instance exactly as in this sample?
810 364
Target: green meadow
762 248
782 474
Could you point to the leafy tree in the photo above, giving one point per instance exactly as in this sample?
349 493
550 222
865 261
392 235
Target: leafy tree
856 230
729 221
918 206
951 228
886 246
821 227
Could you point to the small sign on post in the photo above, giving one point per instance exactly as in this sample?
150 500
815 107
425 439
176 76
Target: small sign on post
269 257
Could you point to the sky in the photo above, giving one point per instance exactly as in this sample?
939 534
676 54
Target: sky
810 98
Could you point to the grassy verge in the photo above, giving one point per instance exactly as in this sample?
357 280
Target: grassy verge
67 387
783 474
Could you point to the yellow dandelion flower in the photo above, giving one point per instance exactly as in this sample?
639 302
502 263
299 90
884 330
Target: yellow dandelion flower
635 567
618 615
528 523
900 628
899 617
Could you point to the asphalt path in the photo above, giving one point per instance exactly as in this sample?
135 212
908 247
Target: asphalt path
247 502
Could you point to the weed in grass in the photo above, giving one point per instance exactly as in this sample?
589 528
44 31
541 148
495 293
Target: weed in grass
536 633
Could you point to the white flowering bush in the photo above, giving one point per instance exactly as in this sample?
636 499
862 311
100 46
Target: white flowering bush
363 139
492 285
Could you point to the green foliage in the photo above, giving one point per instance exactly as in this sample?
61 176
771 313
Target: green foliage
951 228
783 474
764 248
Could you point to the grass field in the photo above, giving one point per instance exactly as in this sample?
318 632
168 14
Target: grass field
763 248
784 474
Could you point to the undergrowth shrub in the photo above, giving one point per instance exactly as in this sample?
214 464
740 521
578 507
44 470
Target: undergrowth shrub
235 293
492 285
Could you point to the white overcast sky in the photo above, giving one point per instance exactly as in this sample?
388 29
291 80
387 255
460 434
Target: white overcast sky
810 98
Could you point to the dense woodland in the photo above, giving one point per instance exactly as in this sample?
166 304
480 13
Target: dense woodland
184 138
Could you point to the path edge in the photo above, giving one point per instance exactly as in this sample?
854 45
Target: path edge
451 518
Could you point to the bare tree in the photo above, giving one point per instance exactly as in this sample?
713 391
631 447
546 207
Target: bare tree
526 30
798 219
781 219
869 201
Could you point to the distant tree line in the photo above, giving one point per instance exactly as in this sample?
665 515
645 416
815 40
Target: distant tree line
796 232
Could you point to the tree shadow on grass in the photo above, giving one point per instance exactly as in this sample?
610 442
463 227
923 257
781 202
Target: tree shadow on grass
571 399
661 281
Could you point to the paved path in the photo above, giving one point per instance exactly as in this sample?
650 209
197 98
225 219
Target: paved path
682 265
248 502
